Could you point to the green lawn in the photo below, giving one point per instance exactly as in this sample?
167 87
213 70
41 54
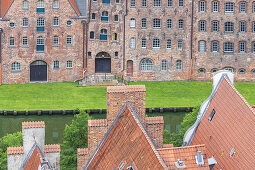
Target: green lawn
58 96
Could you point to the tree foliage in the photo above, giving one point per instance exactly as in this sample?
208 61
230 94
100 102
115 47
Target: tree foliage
75 136
188 121
10 140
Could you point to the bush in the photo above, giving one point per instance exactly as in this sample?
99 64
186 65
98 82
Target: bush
75 136
10 140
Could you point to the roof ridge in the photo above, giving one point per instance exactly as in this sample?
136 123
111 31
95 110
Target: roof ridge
15 150
182 147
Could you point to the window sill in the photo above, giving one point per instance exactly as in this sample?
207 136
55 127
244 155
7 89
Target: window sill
69 45
155 48
169 49
92 39
149 71
116 21
103 40
15 71
25 8
115 41
39 51
56 68
25 46
12 46
55 8
56 45
69 67
157 28
55 26
24 26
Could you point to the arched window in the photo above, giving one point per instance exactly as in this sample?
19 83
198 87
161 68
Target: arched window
40 25
105 16
179 65
132 23
202 26
215 46
15 66
201 71
55 4
156 23
229 27
69 40
25 4
229 69
229 7
114 36
92 35
40 6
169 24
201 46
228 47
40 43
146 65
241 71
103 34
144 23
163 65
214 70
155 43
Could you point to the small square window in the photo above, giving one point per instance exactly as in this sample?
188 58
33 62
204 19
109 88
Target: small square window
68 23
56 21
25 41
12 25
89 55
69 64
56 65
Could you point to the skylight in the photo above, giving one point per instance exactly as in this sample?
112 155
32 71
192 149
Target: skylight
211 115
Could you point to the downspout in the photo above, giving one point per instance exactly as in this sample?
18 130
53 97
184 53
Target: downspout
1 31
191 40
124 42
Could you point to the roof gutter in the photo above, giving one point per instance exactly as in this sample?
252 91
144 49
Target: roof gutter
191 40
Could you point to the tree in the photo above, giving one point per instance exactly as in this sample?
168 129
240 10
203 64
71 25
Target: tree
75 136
10 140
188 121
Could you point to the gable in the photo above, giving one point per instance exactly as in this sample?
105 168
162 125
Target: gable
126 141
5 4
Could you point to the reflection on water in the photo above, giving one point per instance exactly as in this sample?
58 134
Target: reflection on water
55 124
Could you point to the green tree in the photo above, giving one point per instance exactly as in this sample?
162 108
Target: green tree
188 121
75 136
10 140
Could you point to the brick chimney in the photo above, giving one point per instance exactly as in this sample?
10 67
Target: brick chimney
117 96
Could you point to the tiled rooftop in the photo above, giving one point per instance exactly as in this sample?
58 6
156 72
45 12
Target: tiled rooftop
52 148
27 125
154 120
15 150
4 6
129 88
82 151
97 122
168 145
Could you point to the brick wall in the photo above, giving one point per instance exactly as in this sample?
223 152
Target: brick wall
82 158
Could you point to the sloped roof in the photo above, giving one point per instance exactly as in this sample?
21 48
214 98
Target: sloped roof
232 126
4 6
187 154
15 150
36 124
126 141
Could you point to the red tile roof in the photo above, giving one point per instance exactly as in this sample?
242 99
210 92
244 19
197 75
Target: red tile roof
75 6
154 120
4 6
253 106
82 151
126 141
129 88
168 145
27 125
187 154
15 150
232 126
97 122
52 148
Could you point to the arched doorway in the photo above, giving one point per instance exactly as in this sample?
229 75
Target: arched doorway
38 71
103 63
129 68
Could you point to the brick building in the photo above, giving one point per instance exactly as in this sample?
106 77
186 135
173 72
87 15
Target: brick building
69 40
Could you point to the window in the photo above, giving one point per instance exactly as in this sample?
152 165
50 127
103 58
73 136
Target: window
56 64
25 4
15 66
106 1
132 42
215 6
156 23
40 6
242 26
253 71
114 36
68 23
103 34
179 45
40 25
214 70
89 55
169 24
146 65
25 41
215 46
241 71
117 1
68 40
132 23
25 22
104 16
169 3
55 41
181 3
211 115
215 26
12 25
156 3
228 47
144 43
55 4
116 18
242 47
229 7
229 27
40 44
163 65
229 69
93 16
92 35
132 3
116 54
69 64
202 26
201 46
242 7
253 7
201 6
180 24
55 21
201 71
179 65
144 3
155 43
253 27
12 42
144 23
253 47
94 0
168 44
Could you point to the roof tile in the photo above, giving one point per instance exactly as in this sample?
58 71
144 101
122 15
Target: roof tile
97 122
38 124
129 88
82 151
15 150
51 148
154 120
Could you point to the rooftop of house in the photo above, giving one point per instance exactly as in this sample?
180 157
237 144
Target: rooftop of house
37 124
129 88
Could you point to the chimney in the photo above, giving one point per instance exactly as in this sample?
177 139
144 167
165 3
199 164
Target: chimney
179 164
217 76
33 132
117 96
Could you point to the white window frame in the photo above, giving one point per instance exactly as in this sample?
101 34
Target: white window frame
55 4
201 46
25 22
15 66
69 21
215 6
132 3
117 1
156 23
69 40
169 44
215 26
144 43
24 39
146 65
90 33
132 43
69 64
56 64
169 3
253 47
163 65
215 46
181 24
25 4
178 67
169 24
55 40
253 7
156 43
202 6
229 7
12 25
181 3
229 27
56 21
242 47
40 22
40 4
242 26
116 17
180 45
202 26
144 23
132 23
228 47
12 42
156 3
144 3
242 7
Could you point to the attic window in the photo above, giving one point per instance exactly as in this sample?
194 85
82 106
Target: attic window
211 115
232 152
199 158
121 166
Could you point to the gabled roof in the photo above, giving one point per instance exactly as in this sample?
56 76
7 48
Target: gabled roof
126 142
5 4
229 137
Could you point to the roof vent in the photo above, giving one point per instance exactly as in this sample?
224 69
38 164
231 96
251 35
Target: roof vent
179 164
121 166
211 115
232 152
199 158
212 161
